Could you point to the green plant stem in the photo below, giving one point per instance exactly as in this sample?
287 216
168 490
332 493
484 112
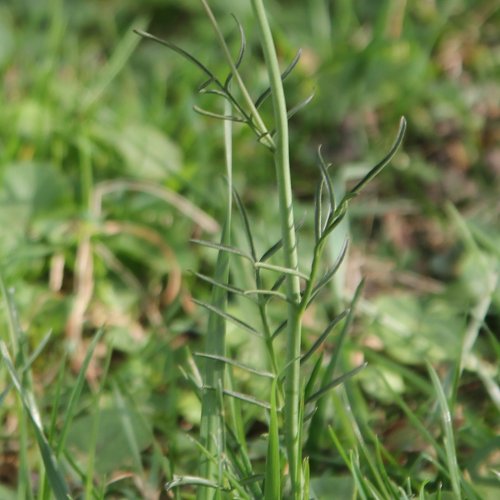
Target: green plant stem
282 163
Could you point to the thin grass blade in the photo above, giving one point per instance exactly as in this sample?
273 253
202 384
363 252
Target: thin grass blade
54 473
449 440
235 363
247 399
190 481
319 341
246 223
335 383
313 377
272 484
223 248
76 392
229 317
116 63
224 286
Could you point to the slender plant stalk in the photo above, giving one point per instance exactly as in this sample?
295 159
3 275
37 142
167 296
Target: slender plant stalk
290 255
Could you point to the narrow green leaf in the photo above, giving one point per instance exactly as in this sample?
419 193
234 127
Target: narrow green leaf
318 211
224 286
115 64
246 223
382 163
223 248
272 484
278 245
449 440
277 284
335 383
301 105
280 269
323 336
332 222
218 116
271 251
241 54
293 111
345 330
204 89
307 478
39 348
331 272
180 51
212 428
76 392
31 359
260 100
325 178
237 448
280 328
52 468
190 481
313 377
340 448
229 317
235 363
128 429
270 293
247 398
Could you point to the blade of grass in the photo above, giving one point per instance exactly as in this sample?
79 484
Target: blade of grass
54 473
70 411
212 424
224 316
334 383
119 58
237 364
449 440
272 484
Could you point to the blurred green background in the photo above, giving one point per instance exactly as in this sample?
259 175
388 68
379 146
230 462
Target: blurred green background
106 172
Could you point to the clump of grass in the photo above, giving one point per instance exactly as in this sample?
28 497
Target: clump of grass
291 395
